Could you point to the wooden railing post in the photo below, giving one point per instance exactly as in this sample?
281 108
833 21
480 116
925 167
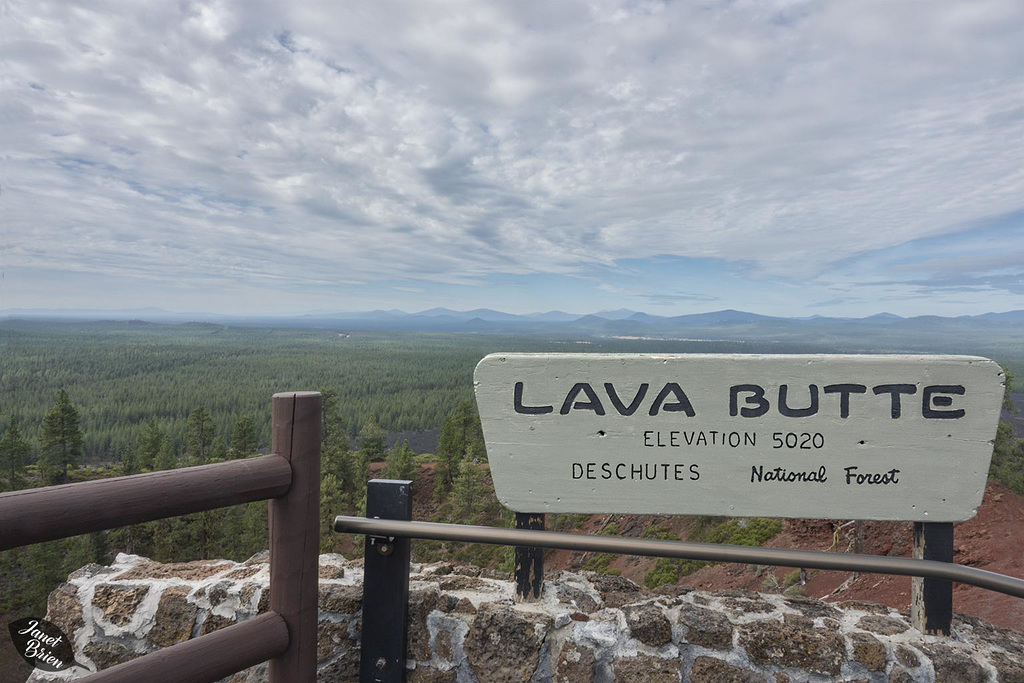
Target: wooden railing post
295 534
931 600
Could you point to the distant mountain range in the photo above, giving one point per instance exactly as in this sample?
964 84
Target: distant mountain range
618 322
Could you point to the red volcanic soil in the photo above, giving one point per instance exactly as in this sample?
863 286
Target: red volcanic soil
993 541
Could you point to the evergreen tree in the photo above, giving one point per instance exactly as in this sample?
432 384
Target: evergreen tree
399 463
134 539
244 441
14 452
1008 459
371 449
200 436
85 549
229 531
60 441
44 564
333 425
197 533
1008 451
1007 388
150 440
129 461
332 503
255 531
371 440
219 452
461 437
336 457
166 458
469 493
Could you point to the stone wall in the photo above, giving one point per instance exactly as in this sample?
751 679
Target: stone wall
465 627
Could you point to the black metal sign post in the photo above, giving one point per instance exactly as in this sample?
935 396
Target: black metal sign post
529 562
385 586
931 601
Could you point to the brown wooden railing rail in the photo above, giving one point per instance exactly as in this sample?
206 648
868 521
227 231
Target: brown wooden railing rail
290 478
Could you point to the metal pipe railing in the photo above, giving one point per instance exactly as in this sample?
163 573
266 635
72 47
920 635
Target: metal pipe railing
683 550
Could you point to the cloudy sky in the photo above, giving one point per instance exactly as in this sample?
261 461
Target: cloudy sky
782 157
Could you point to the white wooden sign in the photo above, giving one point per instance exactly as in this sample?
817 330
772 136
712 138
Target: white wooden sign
818 436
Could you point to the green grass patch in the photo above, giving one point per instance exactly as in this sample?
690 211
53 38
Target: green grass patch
753 531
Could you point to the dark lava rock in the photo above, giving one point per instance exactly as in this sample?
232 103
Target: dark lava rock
713 670
788 645
503 645
885 626
953 665
869 651
575 664
648 624
705 627
647 669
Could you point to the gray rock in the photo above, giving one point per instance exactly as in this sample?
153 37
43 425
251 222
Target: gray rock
421 604
786 645
64 609
900 675
343 668
575 664
869 651
705 627
674 590
333 640
243 572
215 622
647 669
422 674
191 571
615 591
218 593
106 655
462 582
335 598
175 617
503 645
1010 667
714 670
885 626
810 607
745 605
90 570
648 624
577 597
863 606
952 665
118 603
445 645
907 657
1009 640
463 606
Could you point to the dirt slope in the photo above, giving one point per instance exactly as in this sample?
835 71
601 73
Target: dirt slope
993 540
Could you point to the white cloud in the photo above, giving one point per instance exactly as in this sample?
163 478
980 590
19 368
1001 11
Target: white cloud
311 143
